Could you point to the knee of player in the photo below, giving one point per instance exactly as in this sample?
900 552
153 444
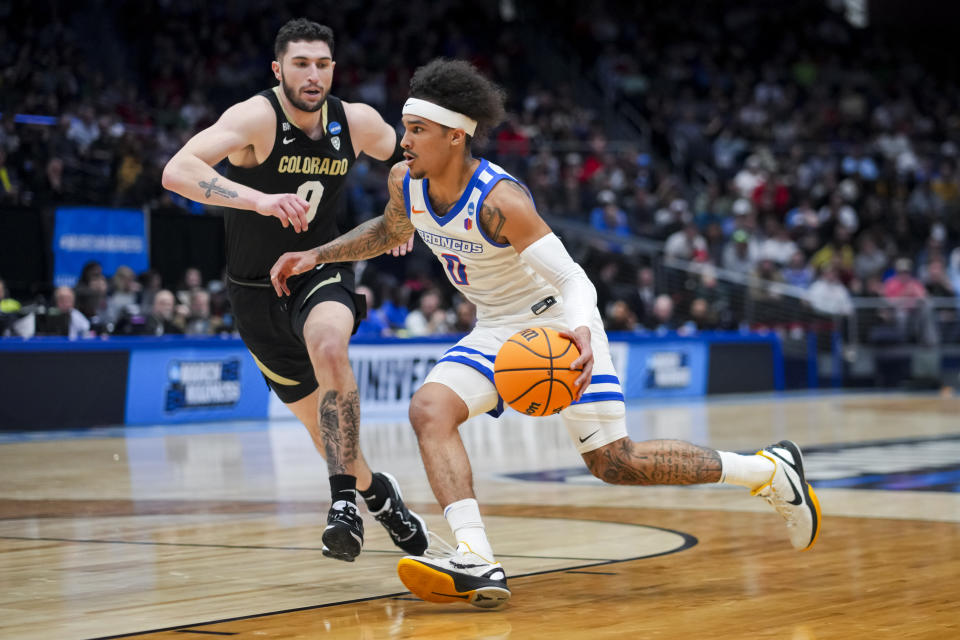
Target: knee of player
426 415
326 352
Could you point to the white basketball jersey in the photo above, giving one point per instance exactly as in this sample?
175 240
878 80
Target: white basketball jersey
489 274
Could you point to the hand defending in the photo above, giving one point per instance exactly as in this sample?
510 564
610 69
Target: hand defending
287 207
290 264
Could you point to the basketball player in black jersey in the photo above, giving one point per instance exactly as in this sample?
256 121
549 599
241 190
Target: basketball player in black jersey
289 149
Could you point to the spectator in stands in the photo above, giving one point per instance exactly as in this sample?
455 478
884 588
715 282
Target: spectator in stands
702 317
376 323
620 317
663 320
739 255
192 280
750 177
902 289
643 295
608 217
828 295
870 259
429 318
199 322
936 282
78 326
687 244
838 252
124 295
797 273
776 246
465 317
91 300
151 283
161 320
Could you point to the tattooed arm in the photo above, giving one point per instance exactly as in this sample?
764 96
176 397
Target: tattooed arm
244 133
366 240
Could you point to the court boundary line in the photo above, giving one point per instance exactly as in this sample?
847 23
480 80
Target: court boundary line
688 542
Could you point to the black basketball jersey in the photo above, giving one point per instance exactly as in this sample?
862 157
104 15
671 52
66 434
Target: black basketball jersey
315 170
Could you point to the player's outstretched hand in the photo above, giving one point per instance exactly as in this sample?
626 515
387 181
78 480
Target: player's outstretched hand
403 249
581 337
290 264
289 208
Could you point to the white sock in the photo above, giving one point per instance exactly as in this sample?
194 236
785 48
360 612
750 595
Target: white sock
746 471
463 516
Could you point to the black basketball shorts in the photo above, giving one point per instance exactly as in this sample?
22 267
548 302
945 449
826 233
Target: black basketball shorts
272 327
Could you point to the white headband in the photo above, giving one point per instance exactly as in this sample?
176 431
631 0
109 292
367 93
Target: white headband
440 115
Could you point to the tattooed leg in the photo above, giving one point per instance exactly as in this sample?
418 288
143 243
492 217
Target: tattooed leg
654 462
340 429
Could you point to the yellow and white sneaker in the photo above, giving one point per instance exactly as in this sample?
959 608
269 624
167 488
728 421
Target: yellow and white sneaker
788 492
448 575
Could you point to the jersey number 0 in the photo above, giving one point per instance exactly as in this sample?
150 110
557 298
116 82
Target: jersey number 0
457 270
312 192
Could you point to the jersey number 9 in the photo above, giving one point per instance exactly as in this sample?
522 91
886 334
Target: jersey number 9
312 192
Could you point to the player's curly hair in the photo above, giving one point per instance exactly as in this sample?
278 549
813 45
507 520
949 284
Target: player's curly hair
459 86
301 29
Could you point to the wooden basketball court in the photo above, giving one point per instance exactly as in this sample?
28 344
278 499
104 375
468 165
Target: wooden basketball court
214 531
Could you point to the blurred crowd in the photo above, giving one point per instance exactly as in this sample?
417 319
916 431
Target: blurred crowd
821 157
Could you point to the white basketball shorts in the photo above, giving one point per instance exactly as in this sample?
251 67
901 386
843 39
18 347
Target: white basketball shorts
597 419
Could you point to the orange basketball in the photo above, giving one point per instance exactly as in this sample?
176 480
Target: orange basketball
532 371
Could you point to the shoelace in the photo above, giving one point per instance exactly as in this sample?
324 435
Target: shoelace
438 548
394 520
778 503
348 512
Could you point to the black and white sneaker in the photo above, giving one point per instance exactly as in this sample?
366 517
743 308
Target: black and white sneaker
448 575
343 537
788 492
406 528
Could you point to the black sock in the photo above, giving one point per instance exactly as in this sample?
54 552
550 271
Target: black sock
376 494
343 487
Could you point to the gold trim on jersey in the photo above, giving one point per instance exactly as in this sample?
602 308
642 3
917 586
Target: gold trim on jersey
331 280
276 377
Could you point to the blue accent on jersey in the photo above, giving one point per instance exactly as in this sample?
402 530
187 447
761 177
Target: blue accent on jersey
455 209
469 350
473 364
406 193
604 380
599 397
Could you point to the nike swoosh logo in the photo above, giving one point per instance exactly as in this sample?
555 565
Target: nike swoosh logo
288 140
582 440
797 496
414 209
450 595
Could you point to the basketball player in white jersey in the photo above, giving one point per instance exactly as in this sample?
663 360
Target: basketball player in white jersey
483 227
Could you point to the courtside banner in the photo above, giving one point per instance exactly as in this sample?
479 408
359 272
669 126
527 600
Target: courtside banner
666 369
388 375
113 237
181 383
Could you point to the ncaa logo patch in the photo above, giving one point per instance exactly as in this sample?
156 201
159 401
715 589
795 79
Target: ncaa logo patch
470 209
334 128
